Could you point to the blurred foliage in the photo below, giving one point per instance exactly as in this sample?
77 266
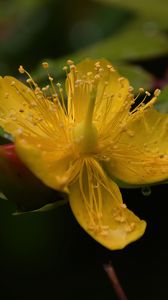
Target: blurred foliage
126 33
153 11
162 103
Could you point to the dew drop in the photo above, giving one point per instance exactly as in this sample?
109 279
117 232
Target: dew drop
146 190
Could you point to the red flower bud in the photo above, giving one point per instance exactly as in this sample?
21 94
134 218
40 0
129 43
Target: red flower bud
19 185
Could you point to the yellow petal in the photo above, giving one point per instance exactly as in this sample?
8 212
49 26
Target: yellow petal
112 92
51 162
141 154
21 110
97 205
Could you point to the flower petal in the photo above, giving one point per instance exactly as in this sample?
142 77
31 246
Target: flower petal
97 205
24 110
112 91
51 162
141 154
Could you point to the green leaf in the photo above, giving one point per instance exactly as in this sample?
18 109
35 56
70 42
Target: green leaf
18 7
45 208
132 43
162 103
152 11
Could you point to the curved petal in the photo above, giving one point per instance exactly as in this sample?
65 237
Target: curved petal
25 110
141 154
112 91
53 163
97 205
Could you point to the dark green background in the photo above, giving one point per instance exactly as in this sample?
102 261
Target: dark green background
48 255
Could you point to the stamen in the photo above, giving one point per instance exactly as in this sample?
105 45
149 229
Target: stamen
70 62
93 200
141 90
97 64
157 92
21 70
45 65
147 93
111 69
72 67
65 68
62 96
40 99
13 83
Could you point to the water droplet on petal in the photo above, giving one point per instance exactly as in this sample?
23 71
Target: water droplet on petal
146 190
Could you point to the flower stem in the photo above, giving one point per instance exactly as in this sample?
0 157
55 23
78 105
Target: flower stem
109 269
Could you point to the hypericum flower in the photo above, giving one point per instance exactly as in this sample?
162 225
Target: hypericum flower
85 144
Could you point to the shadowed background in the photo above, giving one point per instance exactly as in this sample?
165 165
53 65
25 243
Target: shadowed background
48 254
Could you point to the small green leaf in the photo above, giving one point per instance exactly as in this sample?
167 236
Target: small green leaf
2 196
45 208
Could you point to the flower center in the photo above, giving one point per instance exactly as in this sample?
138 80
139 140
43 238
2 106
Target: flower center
85 133
85 138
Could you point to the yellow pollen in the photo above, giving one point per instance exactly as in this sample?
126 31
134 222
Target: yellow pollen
97 77
147 93
45 88
157 92
29 80
65 68
130 89
13 83
120 79
21 70
72 67
70 62
97 64
110 67
130 227
141 90
45 65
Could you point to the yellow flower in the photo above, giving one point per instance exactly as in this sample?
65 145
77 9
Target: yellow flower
85 145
